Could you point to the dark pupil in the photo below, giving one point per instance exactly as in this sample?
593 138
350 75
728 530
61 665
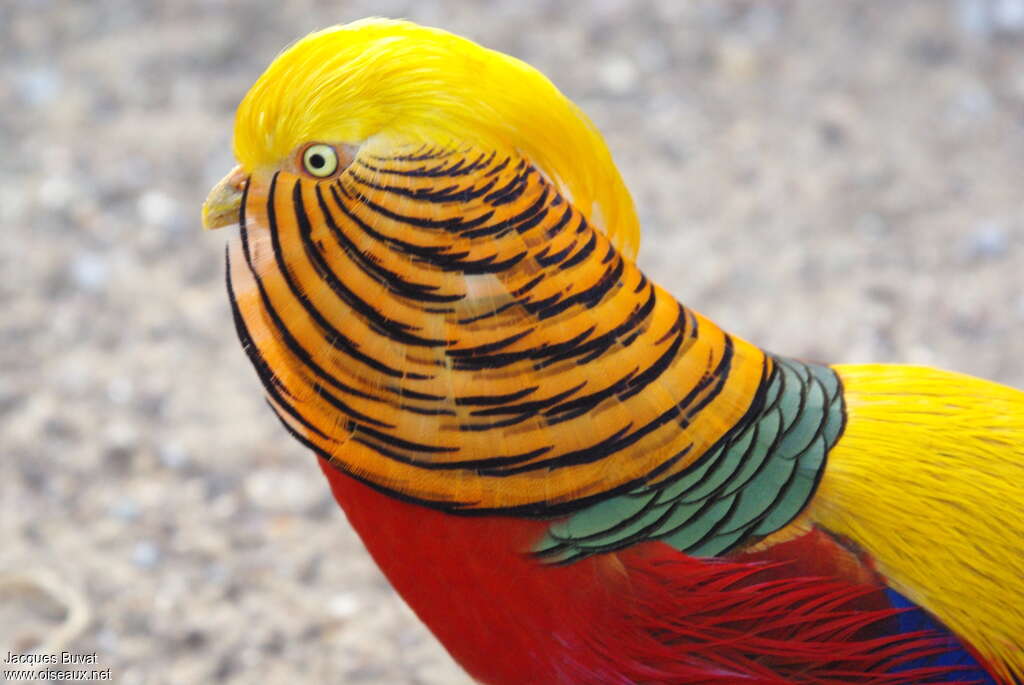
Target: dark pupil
317 161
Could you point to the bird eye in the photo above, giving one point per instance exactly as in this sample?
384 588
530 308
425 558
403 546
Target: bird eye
320 160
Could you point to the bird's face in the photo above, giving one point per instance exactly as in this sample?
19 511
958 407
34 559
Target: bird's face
313 161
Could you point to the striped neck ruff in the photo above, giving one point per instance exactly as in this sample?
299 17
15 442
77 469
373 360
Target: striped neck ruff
445 326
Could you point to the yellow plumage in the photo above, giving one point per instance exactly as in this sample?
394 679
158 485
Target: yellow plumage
929 478
381 83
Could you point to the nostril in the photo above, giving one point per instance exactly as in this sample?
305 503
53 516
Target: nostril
238 179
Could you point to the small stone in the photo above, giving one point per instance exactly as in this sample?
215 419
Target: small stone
618 74
194 639
125 508
763 21
146 554
157 209
973 103
107 640
217 573
989 241
738 60
173 455
983 18
1008 15
56 193
871 224
921 354
280 490
974 17
120 390
121 442
345 605
90 271
831 133
224 505
13 205
38 87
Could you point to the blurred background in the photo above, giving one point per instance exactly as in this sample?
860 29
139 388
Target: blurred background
840 181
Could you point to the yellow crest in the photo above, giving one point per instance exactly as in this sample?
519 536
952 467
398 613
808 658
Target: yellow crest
379 82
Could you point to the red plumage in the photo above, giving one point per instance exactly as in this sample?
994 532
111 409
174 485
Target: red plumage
645 614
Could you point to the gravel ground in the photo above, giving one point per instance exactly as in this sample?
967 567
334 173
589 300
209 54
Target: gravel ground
835 180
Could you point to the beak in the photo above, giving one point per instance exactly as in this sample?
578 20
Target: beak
224 203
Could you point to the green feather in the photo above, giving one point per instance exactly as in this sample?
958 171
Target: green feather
751 484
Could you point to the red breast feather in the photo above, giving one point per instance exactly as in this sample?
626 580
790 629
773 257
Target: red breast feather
647 614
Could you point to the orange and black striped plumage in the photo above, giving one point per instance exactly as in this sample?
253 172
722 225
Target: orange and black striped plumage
431 322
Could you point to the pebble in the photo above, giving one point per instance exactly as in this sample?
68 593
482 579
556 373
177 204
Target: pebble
90 271
973 103
983 18
618 74
120 390
13 205
344 605
280 490
146 554
763 21
1009 15
871 224
39 86
122 438
158 209
173 455
107 640
56 193
737 60
988 241
125 508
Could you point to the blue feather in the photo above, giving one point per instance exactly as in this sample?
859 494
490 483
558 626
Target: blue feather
915 619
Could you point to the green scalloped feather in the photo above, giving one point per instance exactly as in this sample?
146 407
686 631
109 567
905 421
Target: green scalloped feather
748 486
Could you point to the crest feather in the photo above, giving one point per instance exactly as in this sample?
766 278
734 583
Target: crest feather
380 83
